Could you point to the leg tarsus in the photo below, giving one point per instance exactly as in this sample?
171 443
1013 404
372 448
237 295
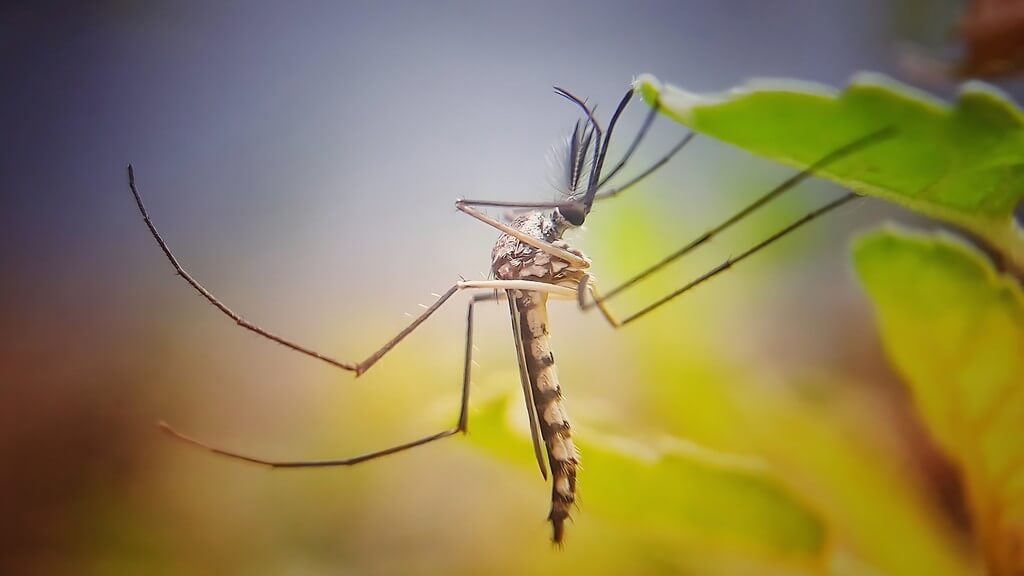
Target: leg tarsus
461 425
632 147
729 262
869 139
206 294
616 190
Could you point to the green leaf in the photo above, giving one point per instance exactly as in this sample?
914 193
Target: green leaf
678 492
954 328
962 162
827 438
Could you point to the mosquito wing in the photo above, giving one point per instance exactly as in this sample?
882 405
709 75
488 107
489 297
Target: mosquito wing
524 379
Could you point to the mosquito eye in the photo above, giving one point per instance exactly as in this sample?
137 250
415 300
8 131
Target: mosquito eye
573 213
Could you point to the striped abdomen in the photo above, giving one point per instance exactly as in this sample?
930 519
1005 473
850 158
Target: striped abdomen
547 398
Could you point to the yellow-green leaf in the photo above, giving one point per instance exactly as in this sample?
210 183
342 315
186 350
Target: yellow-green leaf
681 494
954 329
835 451
962 162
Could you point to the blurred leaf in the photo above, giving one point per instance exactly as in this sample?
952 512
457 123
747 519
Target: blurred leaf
832 441
954 329
837 453
678 491
962 163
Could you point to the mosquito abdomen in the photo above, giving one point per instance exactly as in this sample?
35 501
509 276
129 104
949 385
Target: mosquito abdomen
547 397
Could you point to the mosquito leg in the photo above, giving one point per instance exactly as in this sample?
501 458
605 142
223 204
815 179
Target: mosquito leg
372 359
870 139
595 175
358 368
599 159
587 285
616 190
600 194
213 300
573 259
598 181
555 290
648 120
712 232
525 285
727 264
514 204
460 425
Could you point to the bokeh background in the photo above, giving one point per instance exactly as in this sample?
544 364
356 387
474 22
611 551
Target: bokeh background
302 160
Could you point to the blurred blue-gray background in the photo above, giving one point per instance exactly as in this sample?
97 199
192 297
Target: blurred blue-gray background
302 159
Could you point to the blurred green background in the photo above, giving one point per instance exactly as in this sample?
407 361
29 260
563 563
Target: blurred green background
302 160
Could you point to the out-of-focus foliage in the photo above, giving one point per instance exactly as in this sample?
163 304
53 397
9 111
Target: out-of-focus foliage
856 513
952 325
280 174
993 33
679 491
954 328
960 162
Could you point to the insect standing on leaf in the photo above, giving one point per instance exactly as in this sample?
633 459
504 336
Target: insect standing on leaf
530 263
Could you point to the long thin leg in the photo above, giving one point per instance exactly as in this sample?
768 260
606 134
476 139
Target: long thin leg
514 204
587 285
595 174
213 300
648 120
728 263
712 232
460 425
596 193
601 194
616 190
360 367
528 285
537 243
870 139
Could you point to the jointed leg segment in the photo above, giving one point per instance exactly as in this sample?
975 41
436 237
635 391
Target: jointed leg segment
843 151
217 303
492 287
494 292
460 425
358 367
496 287
600 302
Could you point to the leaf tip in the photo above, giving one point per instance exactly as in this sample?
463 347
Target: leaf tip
648 87
676 101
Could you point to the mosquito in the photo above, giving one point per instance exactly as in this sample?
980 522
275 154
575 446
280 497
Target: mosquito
530 263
